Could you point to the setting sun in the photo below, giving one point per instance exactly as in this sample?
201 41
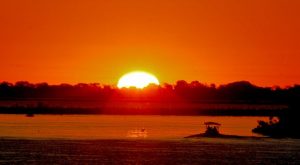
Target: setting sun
137 79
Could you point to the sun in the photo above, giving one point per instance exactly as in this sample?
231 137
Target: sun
137 79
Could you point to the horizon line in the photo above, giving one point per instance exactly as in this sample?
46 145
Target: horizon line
160 84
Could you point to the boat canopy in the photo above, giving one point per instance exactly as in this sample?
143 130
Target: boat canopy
212 123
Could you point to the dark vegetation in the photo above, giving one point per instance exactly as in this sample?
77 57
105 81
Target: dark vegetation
285 125
237 92
235 99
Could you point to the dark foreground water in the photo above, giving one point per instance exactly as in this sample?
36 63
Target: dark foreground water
203 151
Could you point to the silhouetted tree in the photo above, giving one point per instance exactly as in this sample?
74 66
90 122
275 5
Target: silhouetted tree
195 91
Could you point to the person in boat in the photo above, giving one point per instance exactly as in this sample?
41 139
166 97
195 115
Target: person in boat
212 129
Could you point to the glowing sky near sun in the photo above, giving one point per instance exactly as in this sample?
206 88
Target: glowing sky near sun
138 79
216 41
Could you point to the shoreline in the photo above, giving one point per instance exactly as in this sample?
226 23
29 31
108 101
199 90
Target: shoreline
128 111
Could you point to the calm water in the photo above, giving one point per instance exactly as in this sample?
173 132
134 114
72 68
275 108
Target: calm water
118 127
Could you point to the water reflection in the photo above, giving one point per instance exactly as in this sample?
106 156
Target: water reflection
118 126
137 133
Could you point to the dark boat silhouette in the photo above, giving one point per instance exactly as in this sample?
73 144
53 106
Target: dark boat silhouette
212 131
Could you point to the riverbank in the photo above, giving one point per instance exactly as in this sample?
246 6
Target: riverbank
141 110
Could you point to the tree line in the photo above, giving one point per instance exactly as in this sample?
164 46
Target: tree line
195 91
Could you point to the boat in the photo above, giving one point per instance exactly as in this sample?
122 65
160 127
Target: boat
212 131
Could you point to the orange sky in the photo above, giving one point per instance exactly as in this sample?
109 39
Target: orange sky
207 40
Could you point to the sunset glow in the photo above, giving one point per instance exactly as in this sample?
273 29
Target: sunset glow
137 79
95 41
149 82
